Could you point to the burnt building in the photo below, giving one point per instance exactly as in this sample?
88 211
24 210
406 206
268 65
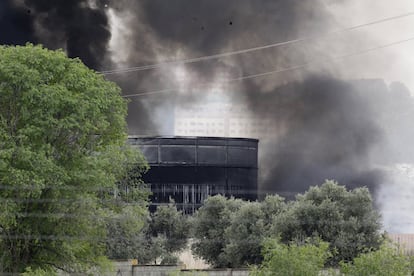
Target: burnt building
189 169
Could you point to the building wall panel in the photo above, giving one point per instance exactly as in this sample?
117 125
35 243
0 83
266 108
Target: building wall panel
189 169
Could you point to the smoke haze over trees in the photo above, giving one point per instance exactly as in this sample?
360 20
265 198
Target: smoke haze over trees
77 27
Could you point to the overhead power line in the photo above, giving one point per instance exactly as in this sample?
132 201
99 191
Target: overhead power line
237 52
281 70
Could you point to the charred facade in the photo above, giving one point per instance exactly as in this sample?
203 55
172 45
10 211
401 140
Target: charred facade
189 169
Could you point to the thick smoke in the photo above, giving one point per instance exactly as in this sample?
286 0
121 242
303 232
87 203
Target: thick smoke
319 127
326 128
159 31
16 24
322 128
78 26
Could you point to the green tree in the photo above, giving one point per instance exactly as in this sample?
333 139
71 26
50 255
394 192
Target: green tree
230 232
272 206
388 260
344 219
170 228
165 232
173 224
128 214
62 149
124 238
209 227
244 235
295 260
249 226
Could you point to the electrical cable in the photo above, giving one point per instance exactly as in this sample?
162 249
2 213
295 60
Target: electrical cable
291 68
237 52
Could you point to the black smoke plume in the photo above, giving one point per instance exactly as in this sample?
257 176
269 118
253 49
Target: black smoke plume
75 25
160 30
322 128
16 24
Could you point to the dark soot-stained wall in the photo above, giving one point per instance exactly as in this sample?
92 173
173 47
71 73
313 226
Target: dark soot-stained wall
189 169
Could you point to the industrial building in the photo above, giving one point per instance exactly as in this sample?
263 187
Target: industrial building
189 169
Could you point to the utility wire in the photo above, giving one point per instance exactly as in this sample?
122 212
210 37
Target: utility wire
285 69
237 52
335 58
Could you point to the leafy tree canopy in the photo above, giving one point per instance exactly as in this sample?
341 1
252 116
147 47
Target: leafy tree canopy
296 260
62 148
388 260
244 235
345 219
229 232
167 221
210 224
164 233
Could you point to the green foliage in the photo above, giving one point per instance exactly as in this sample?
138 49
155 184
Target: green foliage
38 272
127 214
62 149
210 224
387 260
229 232
164 233
169 260
344 219
272 206
124 240
244 235
167 221
302 260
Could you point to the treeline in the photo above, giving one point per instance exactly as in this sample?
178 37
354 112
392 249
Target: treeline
230 232
335 226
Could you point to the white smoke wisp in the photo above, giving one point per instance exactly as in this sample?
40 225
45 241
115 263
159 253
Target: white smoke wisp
392 64
118 44
395 199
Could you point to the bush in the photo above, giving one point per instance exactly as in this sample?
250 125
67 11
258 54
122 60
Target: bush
388 260
38 272
302 260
